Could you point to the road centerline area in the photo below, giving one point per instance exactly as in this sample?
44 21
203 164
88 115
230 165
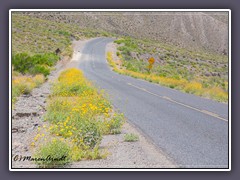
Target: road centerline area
179 103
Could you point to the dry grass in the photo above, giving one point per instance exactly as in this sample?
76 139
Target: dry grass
24 84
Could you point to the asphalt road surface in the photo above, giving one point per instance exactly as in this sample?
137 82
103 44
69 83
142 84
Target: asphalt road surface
192 131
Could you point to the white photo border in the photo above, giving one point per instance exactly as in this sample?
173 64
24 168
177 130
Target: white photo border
121 10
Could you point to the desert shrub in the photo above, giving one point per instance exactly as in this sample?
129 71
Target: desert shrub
55 116
65 33
55 153
78 154
37 64
115 124
22 62
112 125
48 59
23 84
68 51
15 93
88 134
131 67
118 41
40 69
38 79
59 104
131 137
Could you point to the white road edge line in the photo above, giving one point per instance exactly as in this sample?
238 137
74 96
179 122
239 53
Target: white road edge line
182 104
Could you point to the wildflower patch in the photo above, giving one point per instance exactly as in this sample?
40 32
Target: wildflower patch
78 115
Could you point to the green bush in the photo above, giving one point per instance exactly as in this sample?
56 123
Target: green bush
22 62
116 123
65 33
54 154
88 134
49 59
131 137
55 116
37 64
40 69
130 66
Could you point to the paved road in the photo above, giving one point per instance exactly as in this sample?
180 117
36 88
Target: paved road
193 131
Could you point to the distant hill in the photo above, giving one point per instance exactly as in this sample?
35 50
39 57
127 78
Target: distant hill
193 30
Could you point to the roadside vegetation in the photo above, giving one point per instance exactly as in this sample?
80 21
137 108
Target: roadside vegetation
37 45
131 137
23 84
29 72
78 115
36 64
199 73
34 35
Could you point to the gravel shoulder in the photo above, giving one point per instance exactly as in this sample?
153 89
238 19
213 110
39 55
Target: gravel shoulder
28 113
121 154
27 116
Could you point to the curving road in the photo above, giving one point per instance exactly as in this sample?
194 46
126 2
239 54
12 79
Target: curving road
192 131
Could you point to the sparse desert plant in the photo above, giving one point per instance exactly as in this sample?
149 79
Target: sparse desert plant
193 87
15 93
115 124
23 84
22 62
131 137
88 134
54 154
39 79
40 69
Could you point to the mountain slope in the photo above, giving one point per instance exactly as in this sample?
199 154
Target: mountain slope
195 30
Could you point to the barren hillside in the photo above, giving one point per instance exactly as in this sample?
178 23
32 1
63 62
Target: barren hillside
194 30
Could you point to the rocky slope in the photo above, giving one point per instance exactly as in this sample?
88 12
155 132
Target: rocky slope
194 30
